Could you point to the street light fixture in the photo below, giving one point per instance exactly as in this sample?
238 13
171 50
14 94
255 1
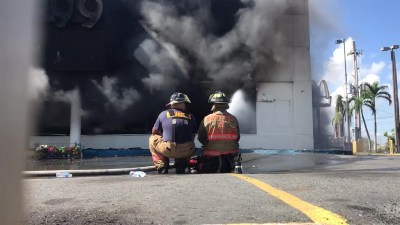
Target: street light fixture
340 41
395 94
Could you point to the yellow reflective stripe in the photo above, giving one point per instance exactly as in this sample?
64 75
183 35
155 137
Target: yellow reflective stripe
179 115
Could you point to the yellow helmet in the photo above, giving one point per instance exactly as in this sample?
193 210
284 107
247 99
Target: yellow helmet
218 97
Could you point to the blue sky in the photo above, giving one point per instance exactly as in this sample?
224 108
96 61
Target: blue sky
372 24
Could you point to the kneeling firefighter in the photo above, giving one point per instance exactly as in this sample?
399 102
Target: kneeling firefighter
219 134
173 135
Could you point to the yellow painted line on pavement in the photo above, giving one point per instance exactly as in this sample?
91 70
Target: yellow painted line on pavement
315 213
265 224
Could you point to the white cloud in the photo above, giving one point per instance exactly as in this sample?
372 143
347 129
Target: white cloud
375 68
372 72
339 91
334 68
371 78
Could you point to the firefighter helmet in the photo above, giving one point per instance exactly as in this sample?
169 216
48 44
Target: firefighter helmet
178 97
218 97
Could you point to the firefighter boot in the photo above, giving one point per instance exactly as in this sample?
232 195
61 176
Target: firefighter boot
162 170
180 166
238 164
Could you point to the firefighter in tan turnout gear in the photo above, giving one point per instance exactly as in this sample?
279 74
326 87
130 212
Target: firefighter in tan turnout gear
173 135
219 134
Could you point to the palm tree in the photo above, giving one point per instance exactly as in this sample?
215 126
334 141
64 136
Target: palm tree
338 119
375 91
359 102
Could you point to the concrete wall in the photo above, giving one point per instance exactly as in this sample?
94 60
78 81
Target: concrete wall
284 103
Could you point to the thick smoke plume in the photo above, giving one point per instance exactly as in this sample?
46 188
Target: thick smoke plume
164 72
38 84
119 101
151 48
250 46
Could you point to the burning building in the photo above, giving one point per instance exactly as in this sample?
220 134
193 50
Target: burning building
125 58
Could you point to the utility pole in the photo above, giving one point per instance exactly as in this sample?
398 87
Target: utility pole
396 98
357 122
395 94
348 147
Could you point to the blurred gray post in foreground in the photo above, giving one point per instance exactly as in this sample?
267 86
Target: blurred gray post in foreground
17 28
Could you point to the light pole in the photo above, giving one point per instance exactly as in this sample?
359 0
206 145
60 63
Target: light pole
346 97
395 94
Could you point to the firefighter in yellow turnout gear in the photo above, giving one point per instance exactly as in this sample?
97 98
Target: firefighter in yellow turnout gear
219 134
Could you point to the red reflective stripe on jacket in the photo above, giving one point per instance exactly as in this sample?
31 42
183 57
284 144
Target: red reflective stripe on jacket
213 137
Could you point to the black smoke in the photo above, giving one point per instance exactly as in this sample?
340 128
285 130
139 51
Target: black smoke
139 52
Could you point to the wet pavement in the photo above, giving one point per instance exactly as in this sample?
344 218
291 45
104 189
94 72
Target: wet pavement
138 159
284 160
293 160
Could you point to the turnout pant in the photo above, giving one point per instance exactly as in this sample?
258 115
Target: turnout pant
161 151
224 163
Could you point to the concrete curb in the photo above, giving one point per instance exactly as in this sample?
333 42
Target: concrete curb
91 172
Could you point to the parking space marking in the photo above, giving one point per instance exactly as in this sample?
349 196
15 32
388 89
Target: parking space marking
315 213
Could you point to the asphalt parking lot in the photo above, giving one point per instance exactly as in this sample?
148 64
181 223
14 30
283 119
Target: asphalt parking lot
280 188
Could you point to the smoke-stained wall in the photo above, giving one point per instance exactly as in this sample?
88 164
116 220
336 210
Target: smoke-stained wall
123 61
138 52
